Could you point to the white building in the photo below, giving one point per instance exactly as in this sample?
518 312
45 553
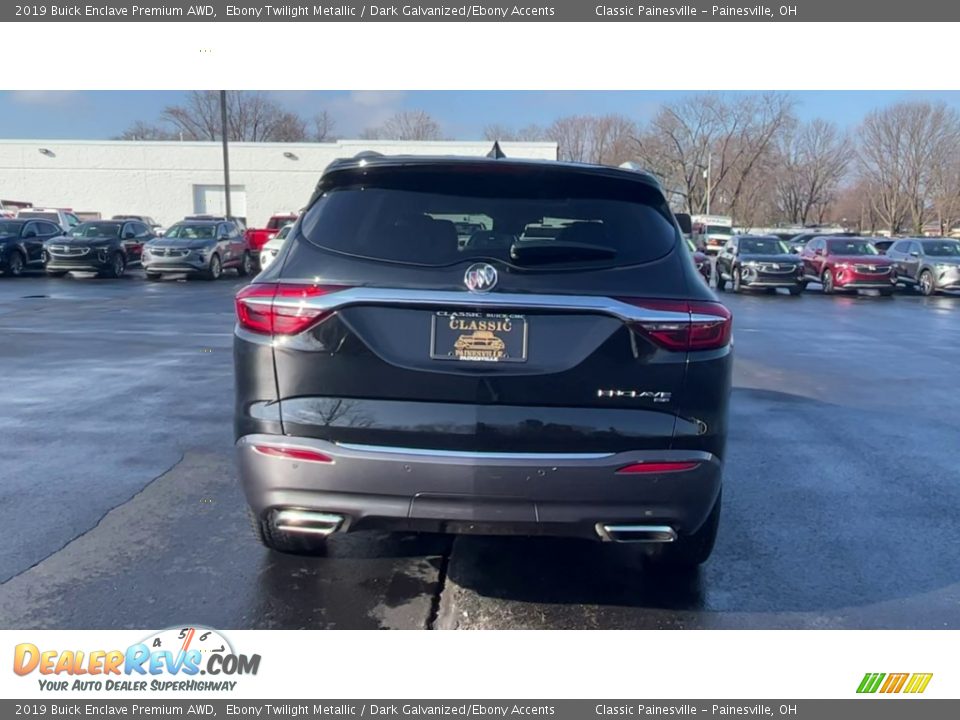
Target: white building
168 180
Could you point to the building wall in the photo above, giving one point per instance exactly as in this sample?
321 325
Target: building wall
158 178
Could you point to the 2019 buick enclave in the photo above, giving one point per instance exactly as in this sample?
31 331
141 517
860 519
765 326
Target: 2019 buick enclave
561 371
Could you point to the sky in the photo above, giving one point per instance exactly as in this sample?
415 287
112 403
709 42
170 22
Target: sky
95 115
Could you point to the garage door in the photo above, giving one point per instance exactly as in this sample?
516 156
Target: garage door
212 200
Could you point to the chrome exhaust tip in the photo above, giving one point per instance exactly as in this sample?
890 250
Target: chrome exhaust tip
307 522
636 533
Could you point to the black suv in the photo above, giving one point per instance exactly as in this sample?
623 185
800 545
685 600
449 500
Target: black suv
564 371
21 244
759 262
105 247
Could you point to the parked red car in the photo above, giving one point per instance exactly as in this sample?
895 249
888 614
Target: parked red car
258 237
847 263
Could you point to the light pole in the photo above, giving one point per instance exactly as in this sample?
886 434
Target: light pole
706 175
226 152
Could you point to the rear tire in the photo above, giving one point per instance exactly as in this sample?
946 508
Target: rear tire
687 552
886 292
795 289
286 543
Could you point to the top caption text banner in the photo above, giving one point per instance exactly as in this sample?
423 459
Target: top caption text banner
488 11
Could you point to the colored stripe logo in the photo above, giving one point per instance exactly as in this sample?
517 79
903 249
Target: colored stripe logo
909 683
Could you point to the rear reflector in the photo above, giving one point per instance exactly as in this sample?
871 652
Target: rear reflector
280 308
657 467
293 453
707 325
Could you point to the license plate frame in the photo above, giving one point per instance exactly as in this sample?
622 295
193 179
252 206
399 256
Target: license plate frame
479 337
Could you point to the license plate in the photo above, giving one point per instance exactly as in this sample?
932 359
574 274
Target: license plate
478 337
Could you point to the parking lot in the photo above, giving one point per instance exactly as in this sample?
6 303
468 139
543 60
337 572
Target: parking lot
121 508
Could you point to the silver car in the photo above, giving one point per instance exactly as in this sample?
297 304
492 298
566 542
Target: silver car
198 247
927 264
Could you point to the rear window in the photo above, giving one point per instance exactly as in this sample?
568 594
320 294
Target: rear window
523 217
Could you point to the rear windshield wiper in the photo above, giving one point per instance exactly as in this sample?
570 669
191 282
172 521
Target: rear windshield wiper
551 251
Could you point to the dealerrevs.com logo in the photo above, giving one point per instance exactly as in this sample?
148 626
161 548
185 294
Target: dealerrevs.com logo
893 683
173 659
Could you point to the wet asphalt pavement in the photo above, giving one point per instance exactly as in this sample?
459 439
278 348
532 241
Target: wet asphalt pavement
120 506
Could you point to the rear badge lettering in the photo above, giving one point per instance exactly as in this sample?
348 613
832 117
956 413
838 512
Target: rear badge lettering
658 396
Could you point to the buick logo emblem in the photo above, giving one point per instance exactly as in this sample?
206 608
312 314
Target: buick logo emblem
480 277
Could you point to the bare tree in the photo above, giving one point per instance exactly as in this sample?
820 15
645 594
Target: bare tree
603 139
613 140
323 127
528 133
251 117
731 136
415 125
812 160
900 148
945 187
572 134
141 130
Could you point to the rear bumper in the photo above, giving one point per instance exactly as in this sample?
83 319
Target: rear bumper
564 494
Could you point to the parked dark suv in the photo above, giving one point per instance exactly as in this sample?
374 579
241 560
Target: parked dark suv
758 262
927 264
21 244
564 372
105 247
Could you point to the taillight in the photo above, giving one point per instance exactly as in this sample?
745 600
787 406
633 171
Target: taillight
280 308
657 467
707 325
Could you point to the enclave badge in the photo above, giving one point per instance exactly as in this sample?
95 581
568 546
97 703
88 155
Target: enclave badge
480 277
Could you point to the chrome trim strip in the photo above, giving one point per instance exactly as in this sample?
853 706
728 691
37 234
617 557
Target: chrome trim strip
466 454
487 301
